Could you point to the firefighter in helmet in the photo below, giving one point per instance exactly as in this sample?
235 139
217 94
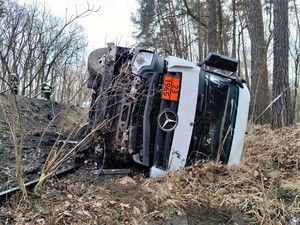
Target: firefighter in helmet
14 83
46 89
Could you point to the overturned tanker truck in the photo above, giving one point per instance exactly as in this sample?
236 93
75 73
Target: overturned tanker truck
168 113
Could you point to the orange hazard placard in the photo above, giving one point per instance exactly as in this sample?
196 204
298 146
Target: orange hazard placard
171 86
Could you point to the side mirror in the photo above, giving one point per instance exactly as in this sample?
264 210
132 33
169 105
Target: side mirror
221 62
238 81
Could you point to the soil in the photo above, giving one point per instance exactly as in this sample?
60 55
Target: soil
43 122
264 189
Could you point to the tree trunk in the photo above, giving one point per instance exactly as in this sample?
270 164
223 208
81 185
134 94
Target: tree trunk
212 26
199 33
293 111
245 58
175 29
220 26
280 108
233 53
260 96
163 29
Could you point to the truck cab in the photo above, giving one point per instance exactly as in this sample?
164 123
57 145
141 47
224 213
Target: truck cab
170 113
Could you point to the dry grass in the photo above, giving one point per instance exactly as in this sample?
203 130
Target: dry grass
264 188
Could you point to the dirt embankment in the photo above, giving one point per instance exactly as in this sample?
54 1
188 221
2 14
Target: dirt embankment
42 121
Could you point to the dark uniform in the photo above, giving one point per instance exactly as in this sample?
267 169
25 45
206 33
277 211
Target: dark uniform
14 83
46 89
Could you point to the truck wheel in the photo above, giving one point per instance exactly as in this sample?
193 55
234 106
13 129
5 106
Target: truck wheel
94 66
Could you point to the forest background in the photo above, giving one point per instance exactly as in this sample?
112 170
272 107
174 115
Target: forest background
263 36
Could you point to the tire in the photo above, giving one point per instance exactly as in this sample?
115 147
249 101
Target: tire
94 67
82 131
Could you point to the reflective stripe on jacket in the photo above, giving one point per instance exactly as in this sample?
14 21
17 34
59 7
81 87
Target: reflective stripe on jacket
15 85
46 89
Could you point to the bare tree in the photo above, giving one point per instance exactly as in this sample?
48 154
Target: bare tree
174 28
242 55
1 8
234 46
33 42
295 57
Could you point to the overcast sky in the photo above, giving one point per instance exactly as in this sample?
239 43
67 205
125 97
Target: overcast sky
110 23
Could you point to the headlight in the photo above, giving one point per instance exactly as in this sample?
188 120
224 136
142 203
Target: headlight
142 59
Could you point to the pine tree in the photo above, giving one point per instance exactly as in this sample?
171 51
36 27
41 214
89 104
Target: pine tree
280 107
260 96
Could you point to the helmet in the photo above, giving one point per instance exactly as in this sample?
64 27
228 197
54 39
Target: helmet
13 77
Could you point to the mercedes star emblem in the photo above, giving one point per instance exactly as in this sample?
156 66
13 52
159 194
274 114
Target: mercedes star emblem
167 120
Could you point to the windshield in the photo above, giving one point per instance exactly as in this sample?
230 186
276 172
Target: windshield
214 125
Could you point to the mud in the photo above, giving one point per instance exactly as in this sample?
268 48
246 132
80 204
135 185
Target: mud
43 122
